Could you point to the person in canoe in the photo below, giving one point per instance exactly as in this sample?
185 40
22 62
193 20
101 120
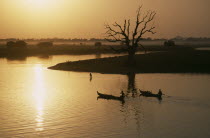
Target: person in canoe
160 93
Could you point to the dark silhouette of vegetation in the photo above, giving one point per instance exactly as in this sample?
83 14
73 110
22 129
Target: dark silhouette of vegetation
45 44
169 43
10 44
177 38
98 44
198 39
21 44
18 44
122 33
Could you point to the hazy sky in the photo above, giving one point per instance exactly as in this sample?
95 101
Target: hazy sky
86 18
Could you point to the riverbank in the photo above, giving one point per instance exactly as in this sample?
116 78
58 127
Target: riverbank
76 50
188 61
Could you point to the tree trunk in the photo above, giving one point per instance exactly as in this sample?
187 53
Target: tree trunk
131 57
131 81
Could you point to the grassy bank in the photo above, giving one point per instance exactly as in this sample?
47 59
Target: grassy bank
73 50
187 61
55 50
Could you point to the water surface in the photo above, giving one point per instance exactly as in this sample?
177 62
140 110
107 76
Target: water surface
37 102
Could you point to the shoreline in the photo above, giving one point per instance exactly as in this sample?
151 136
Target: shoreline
78 50
190 61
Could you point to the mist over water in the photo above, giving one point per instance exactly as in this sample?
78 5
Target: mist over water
35 101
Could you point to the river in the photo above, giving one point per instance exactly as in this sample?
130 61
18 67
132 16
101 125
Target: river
38 102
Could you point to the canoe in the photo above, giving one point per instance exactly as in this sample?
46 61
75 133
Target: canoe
149 94
110 97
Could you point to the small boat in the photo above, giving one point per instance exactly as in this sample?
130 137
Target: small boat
150 94
110 97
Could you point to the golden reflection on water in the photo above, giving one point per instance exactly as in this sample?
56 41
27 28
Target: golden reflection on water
39 95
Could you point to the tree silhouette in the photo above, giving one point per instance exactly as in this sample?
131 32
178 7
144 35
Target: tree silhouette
123 34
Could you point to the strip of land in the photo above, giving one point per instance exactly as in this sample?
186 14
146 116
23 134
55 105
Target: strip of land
178 61
33 50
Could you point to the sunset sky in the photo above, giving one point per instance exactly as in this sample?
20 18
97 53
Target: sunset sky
86 18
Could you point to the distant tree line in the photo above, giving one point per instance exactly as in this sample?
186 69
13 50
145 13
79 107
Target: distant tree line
180 38
54 39
20 44
177 38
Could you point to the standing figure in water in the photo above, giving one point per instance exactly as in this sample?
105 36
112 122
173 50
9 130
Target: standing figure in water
90 76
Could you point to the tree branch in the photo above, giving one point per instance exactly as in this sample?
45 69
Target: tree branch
121 33
147 19
128 29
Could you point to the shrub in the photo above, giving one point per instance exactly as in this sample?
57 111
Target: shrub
21 44
17 44
10 44
45 44
169 43
98 43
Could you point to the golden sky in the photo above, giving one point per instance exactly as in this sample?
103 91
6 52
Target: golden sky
86 18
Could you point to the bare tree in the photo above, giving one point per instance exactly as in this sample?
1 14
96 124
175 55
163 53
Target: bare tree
122 33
